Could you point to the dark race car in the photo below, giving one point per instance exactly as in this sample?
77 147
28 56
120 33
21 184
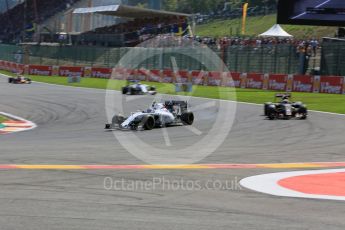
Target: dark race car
19 80
285 109
134 87
158 115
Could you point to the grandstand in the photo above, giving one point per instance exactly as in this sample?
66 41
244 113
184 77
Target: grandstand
57 21
20 22
139 25
6 5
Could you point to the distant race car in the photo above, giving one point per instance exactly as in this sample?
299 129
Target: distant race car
136 88
19 80
158 115
285 109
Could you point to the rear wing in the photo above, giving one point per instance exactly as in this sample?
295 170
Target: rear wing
183 105
133 81
281 95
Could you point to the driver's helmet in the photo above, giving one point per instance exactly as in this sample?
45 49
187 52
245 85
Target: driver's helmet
157 106
285 99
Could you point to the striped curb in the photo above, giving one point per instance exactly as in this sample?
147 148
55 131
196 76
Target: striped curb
312 184
15 124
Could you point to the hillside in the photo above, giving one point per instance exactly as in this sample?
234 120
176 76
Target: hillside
257 25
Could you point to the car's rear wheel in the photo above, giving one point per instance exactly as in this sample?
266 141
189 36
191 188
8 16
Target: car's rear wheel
304 112
187 118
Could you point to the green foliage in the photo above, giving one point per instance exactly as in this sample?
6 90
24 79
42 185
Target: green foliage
258 25
204 6
2 119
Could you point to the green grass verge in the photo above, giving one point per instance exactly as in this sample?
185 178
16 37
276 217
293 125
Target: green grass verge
2 119
258 25
321 102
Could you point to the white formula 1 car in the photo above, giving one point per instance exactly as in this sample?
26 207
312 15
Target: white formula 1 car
158 115
136 88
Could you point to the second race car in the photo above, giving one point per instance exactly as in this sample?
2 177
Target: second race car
158 115
134 87
285 109
19 80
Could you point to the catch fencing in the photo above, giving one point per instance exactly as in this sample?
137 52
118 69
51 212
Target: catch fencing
282 59
333 57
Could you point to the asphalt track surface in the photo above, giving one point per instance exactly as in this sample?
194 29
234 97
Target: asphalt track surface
301 6
70 131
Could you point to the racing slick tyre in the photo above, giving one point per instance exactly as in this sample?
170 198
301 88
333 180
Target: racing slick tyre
148 122
10 80
187 118
266 107
304 113
271 115
124 90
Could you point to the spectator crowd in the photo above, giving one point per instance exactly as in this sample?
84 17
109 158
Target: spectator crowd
17 20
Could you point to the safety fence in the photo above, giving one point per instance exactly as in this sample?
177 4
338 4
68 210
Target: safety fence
266 58
333 57
279 82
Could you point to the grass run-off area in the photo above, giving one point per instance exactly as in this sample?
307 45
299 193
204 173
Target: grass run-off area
258 25
322 102
2 119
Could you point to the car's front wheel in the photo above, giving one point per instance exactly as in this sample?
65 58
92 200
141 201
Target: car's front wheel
118 120
149 122
124 90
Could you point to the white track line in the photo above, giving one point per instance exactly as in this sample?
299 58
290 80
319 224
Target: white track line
203 98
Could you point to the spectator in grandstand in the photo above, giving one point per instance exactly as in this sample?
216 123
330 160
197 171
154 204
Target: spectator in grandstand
314 44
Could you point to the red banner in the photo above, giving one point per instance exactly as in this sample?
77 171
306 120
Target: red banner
154 75
214 78
331 84
40 70
66 71
101 72
233 80
131 74
182 76
277 82
255 81
142 74
168 76
302 83
20 68
197 77
7 66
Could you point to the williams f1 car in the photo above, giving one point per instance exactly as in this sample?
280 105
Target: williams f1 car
136 88
285 109
158 115
19 80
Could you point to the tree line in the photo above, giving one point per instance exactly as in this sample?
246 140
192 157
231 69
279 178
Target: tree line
205 6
